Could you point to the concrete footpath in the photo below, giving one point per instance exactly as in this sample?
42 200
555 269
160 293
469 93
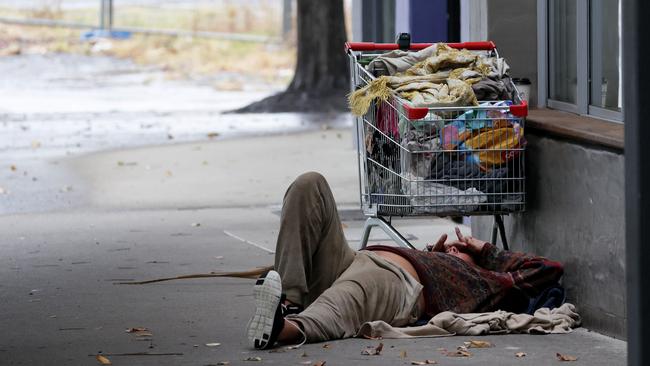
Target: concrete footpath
195 208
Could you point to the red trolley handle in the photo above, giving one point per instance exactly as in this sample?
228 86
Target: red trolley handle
371 46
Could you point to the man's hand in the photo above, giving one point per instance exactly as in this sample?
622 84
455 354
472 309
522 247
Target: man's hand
468 244
439 246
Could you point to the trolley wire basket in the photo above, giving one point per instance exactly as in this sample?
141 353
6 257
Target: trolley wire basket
442 161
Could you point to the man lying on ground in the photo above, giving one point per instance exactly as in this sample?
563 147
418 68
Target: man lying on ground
321 289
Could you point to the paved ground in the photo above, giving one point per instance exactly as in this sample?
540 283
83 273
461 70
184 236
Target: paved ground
98 216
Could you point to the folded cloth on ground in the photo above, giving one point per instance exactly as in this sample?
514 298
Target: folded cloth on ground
544 321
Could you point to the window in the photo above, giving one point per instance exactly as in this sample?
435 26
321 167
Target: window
580 56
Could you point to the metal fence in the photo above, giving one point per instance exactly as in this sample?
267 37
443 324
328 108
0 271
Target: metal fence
239 20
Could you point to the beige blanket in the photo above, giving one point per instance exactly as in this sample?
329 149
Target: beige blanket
544 321
441 77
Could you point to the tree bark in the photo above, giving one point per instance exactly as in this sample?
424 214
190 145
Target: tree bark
321 79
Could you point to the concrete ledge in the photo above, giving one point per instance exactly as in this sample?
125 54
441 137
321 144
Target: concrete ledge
577 128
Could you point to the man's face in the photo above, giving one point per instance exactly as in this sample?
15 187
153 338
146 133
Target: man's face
452 250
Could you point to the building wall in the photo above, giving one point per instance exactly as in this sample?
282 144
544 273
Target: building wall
512 25
575 214
575 199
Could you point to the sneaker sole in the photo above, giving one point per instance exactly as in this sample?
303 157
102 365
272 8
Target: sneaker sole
267 292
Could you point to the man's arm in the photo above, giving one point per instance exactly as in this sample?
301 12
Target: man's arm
529 273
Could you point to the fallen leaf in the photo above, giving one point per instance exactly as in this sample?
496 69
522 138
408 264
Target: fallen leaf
213 344
373 351
304 354
128 163
326 345
168 173
562 357
460 352
320 363
223 363
402 353
256 358
103 360
137 329
143 334
196 224
425 362
13 168
213 134
520 354
478 344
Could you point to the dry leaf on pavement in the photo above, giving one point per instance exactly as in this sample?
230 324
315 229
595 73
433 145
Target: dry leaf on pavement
320 363
520 354
256 358
460 352
212 135
562 357
402 353
373 351
223 363
103 360
478 344
326 345
136 329
425 362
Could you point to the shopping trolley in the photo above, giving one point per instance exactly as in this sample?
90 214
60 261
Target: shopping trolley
447 161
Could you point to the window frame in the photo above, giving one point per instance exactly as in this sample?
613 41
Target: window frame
583 65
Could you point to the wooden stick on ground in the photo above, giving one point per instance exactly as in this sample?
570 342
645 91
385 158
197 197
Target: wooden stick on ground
253 274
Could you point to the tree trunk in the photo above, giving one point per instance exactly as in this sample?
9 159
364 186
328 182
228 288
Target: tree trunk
322 66
321 79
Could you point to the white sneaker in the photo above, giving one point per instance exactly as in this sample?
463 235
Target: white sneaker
265 326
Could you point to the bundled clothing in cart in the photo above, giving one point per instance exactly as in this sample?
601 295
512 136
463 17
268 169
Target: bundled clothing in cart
452 161
436 76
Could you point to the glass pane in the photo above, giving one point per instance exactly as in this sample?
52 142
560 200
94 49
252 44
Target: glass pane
605 39
562 37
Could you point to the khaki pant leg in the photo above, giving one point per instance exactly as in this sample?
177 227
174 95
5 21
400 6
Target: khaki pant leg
311 251
369 293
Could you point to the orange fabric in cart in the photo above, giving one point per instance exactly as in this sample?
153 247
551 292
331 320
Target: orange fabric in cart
496 145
